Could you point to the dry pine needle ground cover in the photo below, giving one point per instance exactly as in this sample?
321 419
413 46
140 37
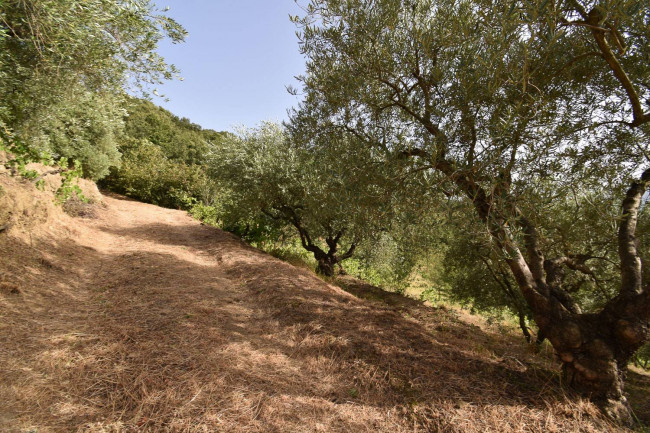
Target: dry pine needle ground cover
134 318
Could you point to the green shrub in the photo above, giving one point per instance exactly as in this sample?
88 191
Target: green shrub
148 175
642 357
208 214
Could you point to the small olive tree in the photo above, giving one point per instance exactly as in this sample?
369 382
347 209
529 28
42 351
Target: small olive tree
330 196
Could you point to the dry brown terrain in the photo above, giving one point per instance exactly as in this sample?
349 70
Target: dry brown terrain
134 318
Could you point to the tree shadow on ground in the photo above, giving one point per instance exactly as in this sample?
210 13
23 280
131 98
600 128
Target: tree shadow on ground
379 357
184 328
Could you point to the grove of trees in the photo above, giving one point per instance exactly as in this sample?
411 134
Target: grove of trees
500 148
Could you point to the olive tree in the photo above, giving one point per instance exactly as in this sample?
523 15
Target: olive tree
510 103
330 196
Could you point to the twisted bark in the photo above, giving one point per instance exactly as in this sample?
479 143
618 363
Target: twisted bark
594 348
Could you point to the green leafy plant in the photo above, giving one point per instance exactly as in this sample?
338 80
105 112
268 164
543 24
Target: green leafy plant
64 67
69 186
18 155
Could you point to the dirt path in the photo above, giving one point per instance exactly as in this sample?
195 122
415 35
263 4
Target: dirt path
142 319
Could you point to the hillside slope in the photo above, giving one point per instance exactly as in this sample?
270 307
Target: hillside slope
141 319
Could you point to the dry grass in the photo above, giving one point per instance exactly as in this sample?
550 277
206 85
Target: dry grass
142 320
78 208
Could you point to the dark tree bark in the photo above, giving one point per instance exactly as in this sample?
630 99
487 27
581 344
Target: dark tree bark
594 348
326 265
326 260
524 327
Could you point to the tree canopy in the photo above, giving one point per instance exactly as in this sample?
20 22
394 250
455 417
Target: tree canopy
522 108
332 196
64 66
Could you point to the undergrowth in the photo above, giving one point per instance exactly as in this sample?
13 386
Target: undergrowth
415 285
18 156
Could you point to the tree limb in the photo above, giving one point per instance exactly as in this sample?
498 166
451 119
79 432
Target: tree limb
349 253
595 18
531 242
631 277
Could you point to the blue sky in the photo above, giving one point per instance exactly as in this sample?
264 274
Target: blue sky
236 62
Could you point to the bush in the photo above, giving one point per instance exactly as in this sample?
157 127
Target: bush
148 175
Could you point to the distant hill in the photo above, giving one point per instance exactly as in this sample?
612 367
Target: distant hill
179 138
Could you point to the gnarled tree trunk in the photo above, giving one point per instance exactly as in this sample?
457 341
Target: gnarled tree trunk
326 260
595 360
326 265
595 348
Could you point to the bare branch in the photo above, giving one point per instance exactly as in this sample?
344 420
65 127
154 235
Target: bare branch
627 248
349 252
